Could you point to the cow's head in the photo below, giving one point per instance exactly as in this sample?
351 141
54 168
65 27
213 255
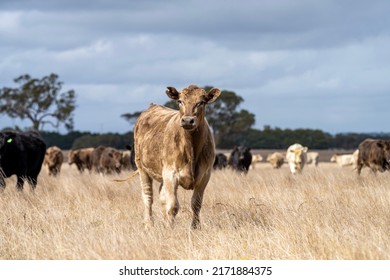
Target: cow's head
6 139
385 146
242 152
192 101
51 156
72 156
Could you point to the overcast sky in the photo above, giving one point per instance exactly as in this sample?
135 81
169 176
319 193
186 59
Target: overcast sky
296 63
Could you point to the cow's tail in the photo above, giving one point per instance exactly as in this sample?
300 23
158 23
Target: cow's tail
132 175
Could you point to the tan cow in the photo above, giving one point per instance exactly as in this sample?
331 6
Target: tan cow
125 160
296 157
312 158
256 158
276 159
53 160
81 157
110 161
175 148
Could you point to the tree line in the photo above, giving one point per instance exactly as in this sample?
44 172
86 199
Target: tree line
266 138
43 103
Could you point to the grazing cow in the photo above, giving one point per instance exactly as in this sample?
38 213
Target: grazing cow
95 158
21 154
125 160
53 160
374 154
110 161
82 158
256 158
221 161
175 148
240 158
312 158
342 159
276 159
296 157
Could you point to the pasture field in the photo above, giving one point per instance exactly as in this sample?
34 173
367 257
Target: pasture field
325 213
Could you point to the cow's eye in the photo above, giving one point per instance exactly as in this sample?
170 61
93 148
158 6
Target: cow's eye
179 102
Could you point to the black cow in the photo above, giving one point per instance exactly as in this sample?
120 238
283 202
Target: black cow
132 156
375 154
240 158
21 154
221 161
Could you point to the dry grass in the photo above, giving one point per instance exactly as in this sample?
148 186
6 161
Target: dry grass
325 213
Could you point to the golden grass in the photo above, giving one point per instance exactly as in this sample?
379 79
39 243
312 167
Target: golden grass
327 212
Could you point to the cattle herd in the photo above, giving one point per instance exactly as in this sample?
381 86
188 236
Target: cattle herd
174 148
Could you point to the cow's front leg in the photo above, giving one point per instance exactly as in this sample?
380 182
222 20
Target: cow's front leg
169 193
197 199
19 183
2 182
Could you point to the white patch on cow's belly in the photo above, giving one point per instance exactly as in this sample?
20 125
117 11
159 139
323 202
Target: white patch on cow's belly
171 174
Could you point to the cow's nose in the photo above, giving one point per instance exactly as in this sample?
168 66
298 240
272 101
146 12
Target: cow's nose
188 122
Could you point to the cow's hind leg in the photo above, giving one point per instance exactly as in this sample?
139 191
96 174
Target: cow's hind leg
33 182
147 196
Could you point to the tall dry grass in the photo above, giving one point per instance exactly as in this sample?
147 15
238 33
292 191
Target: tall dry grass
325 213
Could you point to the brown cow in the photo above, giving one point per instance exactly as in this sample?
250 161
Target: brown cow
81 157
110 161
95 158
53 160
175 148
375 154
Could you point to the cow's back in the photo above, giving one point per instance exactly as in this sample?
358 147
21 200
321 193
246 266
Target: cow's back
36 149
368 149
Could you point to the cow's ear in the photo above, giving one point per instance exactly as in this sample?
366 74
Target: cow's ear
172 93
304 149
212 95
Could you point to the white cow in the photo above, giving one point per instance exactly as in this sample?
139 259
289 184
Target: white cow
256 158
276 159
345 159
312 158
296 157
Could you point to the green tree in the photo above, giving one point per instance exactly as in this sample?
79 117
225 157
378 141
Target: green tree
226 120
131 117
40 101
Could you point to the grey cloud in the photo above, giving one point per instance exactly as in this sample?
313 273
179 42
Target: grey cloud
122 54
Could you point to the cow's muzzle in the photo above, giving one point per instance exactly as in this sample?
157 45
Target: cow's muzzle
188 123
